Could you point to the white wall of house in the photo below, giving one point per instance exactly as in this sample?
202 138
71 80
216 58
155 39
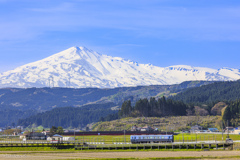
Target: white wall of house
236 131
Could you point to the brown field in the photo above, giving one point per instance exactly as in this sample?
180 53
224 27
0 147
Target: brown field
24 155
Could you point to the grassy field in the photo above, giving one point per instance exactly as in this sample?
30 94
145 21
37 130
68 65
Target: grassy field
110 139
177 138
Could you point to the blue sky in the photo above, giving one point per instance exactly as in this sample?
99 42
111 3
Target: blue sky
204 33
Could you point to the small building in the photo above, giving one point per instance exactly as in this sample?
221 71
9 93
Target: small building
185 131
146 128
55 138
237 130
213 130
47 133
229 130
195 129
33 136
22 136
135 128
68 138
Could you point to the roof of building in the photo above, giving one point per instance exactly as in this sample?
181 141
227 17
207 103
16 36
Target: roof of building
212 129
57 135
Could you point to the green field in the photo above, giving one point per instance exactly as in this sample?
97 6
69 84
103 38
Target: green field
177 138
110 139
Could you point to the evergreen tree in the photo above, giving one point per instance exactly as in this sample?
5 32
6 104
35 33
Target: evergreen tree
60 130
53 130
126 108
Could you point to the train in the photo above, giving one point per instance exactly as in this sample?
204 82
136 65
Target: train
152 138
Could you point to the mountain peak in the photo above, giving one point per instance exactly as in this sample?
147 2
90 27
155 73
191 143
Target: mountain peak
73 54
79 66
78 48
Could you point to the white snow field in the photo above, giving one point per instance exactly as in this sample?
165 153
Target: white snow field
80 67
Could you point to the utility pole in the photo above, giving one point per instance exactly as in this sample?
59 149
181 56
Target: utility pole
222 130
182 137
227 130
166 129
124 135
74 137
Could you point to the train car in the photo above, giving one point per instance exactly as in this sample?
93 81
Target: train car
152 138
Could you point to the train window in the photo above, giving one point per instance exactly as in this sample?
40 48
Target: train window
151 137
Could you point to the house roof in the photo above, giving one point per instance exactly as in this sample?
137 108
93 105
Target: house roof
57 135
212 129
229 128
237 128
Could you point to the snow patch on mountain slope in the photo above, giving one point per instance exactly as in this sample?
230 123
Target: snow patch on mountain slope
81 67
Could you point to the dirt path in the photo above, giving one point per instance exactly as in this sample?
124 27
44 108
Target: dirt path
91 155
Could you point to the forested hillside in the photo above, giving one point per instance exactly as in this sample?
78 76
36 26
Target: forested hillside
20 103
70 116
200 101
232 114
11 116
43 99
153 108
211 93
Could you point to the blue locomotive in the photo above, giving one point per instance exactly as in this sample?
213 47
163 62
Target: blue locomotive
152 138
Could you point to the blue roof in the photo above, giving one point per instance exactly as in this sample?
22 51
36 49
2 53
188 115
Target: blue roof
57 135
213 129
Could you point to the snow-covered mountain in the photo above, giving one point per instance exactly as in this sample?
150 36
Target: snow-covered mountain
81 67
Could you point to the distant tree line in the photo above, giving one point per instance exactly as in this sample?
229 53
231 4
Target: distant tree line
69 116
153 108
231 114
109 117
10 116
210 94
